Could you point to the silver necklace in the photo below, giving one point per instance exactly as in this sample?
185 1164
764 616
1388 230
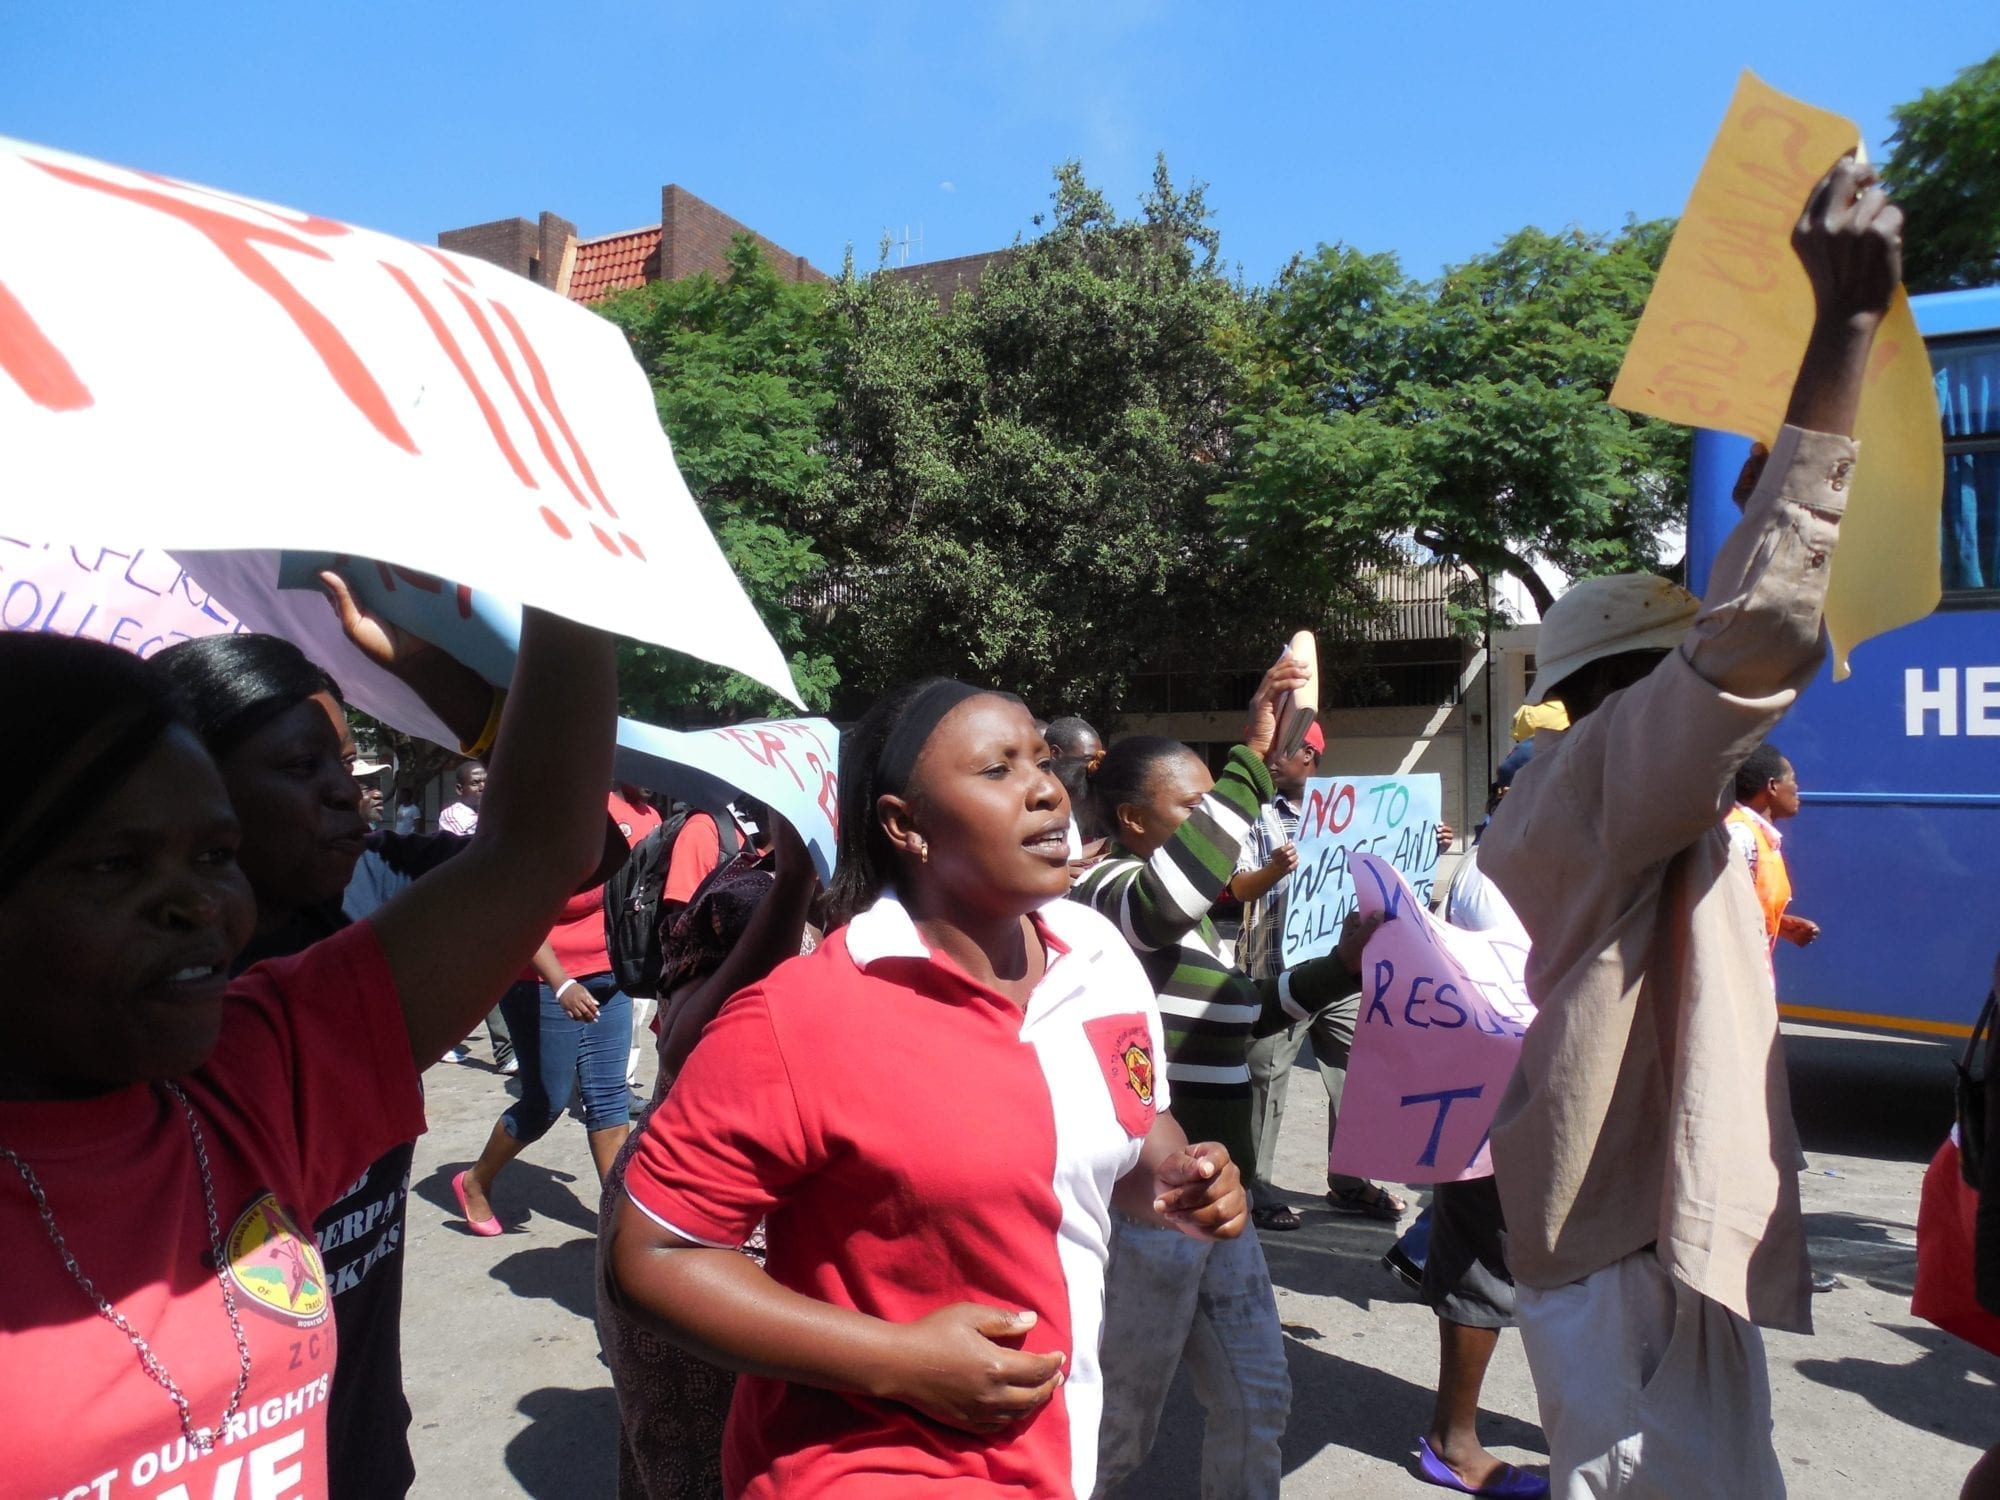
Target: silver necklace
201 1439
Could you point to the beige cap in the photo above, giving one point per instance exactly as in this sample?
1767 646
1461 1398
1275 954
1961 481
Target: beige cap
1602 617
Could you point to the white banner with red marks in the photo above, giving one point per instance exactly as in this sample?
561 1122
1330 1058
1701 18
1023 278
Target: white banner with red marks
790 764
183 369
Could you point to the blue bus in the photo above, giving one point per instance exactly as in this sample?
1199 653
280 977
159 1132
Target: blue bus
1896 851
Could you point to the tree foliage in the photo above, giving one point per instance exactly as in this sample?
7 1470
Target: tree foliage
1109 458
1466 415
1944 167
1024 476
743 373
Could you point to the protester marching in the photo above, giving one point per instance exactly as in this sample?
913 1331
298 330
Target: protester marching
933 1066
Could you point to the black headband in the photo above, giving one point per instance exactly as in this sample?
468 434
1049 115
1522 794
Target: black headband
913 731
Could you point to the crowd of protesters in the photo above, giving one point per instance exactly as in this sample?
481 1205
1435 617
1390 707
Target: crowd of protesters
828 1261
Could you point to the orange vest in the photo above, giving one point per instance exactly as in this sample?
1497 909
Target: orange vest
1774 882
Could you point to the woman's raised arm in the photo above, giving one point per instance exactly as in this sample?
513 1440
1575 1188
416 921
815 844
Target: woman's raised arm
459 937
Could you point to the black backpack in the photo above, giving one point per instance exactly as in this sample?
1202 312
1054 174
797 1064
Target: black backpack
632 901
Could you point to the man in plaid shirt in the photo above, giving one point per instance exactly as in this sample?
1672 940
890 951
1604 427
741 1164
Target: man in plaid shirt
1260 884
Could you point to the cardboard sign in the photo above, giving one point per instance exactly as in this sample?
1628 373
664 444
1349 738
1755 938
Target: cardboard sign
1393 817
1726 327
1443 1012
301 383
139 599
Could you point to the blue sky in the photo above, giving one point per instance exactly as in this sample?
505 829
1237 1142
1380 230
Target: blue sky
1428 129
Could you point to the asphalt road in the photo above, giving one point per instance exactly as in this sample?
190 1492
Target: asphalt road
511 1400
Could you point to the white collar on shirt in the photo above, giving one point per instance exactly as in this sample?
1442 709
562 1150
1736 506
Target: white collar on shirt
1770 829
886 930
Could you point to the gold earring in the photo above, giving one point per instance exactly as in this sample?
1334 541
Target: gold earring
923 852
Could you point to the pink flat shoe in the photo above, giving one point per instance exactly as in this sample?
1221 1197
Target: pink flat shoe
485 1227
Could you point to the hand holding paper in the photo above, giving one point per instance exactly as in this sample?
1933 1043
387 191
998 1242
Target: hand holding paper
1850 242
456 694
1726 332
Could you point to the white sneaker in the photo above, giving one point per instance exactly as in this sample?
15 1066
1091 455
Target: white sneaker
511 1065
459 1055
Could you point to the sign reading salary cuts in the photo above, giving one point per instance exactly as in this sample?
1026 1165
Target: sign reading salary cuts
1394 818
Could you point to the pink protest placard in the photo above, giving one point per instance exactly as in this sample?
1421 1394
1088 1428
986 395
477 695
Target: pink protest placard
136 597
1443 1012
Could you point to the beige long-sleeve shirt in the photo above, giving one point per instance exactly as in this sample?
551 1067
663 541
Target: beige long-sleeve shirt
1650 1104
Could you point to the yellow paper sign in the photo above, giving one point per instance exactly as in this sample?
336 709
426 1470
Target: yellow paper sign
1726 327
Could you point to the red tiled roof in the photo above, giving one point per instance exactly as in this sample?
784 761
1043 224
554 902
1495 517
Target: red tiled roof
613 262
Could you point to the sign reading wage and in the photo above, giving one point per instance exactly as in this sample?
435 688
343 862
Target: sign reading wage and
1392 817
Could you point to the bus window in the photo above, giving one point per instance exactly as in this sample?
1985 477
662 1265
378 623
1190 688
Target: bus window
1968 387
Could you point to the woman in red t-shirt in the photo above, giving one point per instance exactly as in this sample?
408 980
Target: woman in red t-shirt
166 1133
572 1030
936 1110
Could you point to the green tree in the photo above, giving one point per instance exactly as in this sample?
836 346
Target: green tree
1944 167
743 373
1466 416
1025 476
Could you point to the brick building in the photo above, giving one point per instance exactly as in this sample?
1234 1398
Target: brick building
692 236
945 279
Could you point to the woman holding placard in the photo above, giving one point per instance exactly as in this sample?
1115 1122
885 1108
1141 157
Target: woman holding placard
167 1133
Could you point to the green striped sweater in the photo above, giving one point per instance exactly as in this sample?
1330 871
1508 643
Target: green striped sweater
1208 1010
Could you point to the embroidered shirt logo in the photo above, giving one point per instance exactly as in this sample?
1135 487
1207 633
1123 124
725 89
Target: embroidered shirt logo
275 1266
1139 1072
1124 1048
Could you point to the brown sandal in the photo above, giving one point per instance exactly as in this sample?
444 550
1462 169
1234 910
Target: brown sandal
1370 1200
1279 1217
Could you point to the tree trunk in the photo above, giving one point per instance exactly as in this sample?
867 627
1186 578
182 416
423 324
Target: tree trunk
1492 557
1524 570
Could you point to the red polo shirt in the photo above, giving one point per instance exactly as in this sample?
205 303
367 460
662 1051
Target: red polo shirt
916 1139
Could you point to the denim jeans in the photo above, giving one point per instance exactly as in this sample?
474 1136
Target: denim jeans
1169 1297
557 1053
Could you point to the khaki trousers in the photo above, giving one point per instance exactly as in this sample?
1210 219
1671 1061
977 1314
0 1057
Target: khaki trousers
1648 1389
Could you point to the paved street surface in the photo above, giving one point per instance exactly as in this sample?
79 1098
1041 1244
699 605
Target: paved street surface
511 1399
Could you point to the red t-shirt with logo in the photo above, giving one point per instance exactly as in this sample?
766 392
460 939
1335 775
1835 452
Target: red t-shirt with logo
916 1139
311 1081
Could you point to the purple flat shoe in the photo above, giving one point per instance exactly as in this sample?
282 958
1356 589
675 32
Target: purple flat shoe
1511 1483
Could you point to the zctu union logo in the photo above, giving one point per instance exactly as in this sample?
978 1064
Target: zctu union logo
275 1266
